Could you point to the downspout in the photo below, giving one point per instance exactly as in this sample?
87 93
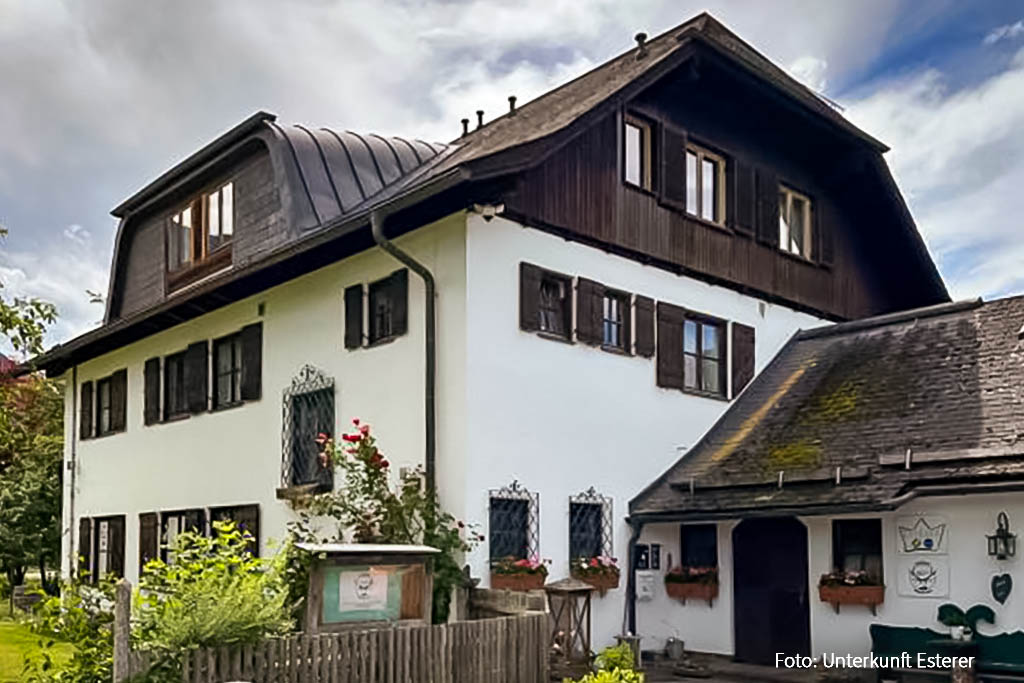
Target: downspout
377 228
629 618
72 555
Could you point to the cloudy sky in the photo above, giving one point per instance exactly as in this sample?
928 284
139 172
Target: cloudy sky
99 97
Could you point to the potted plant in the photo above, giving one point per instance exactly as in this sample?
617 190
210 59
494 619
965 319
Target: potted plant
601 572
519 575
692 582
851 588
963 624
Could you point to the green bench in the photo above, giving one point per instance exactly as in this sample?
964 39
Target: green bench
999 658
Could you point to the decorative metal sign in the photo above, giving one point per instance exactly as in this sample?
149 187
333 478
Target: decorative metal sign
1002 584
923 535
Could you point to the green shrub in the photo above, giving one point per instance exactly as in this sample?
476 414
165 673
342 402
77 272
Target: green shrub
616 657
613 676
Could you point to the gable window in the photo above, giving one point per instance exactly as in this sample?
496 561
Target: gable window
703 360
175 398
227 368
857 546
201 228
794 222
698 545
308 413
553 305
513 523
637 152
613 320
590 527
705 184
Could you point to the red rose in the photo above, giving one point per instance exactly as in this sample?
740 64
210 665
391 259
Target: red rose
355 421
351 437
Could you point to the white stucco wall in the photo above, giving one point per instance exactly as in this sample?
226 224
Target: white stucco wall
233 456
560 418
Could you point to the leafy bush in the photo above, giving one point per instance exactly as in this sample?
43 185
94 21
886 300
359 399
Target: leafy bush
619 656
612 676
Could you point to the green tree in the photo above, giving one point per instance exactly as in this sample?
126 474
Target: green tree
23 320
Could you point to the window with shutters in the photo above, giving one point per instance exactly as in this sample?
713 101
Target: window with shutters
513 523
308 413
101 546
637 157
795 226
103 407
698 545
703 358
553 305
109 413
388 305
614 320
246 519
172 524
705 185
857 546
175 398
227 371
590 525
198 230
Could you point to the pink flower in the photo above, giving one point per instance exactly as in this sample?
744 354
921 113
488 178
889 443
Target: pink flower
351 438
355 421
365 429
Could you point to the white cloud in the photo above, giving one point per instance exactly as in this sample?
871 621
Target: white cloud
958 156
811 71
1005 32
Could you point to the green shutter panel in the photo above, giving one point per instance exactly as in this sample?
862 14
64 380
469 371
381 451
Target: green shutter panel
85 414
354 316
196 376
644 326
398 288
149 538
742 357
670 346
251 341
740 188
118 400
84 546
529 297
767 207
151 391
672 173
115 540
588 311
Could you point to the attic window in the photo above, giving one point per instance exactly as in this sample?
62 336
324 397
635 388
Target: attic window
705 184
637 153
199 229
794 222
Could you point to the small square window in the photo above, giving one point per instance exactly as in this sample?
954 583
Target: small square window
175 401
387 298
857 546
227 371
637 153
553 305
613 320
795 227
705 185
698 545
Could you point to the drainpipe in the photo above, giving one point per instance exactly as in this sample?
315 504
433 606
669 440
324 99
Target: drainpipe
377 228
75 420
629 618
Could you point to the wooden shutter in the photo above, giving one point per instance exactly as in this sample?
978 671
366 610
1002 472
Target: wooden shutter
529 297
670 346
644 326
251 341
85 414
627 323
354 316
672 175
195 520
149 538
247 517
118 400
115 542
740 185
151 391
589 296
823 244
84 546
767 207
742 357
398 290
196 376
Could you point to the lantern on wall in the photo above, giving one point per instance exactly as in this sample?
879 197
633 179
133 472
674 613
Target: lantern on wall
1002 544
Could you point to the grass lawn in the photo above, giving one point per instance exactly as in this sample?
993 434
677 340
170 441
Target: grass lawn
15 641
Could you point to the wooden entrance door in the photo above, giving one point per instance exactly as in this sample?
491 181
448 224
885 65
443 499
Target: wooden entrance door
770 593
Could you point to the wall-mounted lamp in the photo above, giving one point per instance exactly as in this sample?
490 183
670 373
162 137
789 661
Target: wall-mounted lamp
1002 544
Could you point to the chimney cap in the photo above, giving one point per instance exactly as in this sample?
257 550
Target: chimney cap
512 104
641 44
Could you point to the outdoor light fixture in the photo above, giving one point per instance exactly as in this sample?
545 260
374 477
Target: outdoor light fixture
1002 544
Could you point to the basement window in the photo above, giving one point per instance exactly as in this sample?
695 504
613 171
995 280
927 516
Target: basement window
637 153
705 184
794 222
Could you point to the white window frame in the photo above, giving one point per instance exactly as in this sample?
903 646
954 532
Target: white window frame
646 147
698 209
785 211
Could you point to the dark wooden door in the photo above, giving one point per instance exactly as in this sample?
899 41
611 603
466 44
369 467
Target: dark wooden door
770 596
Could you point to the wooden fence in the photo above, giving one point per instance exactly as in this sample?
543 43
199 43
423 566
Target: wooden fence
503 650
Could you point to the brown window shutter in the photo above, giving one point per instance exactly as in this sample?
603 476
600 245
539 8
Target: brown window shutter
742 357
84 546
151 402
247 517
115 529
118 400
589 295
196 376
195 520
85 415
354 316
824 234
672 175
740 188
251 340
529 297
627 323
767 207
670 346
644 326
149 538
399 288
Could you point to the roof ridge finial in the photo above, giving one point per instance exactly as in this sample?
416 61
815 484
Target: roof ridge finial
479 118
641 45
465 127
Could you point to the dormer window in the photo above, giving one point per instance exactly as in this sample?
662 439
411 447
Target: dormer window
637 153
198 230
794 222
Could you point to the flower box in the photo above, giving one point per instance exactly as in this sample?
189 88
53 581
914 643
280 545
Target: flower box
691 590
603 582
517 582
870 596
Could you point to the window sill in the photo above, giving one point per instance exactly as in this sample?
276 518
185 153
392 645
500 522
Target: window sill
798 258
186 275
722 227
617 350
382 341
639 188
226 406
301 491
704 394
551 336
176 418
106 434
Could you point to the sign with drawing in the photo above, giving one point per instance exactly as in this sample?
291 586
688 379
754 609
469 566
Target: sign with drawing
365 589
923 577
922 535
